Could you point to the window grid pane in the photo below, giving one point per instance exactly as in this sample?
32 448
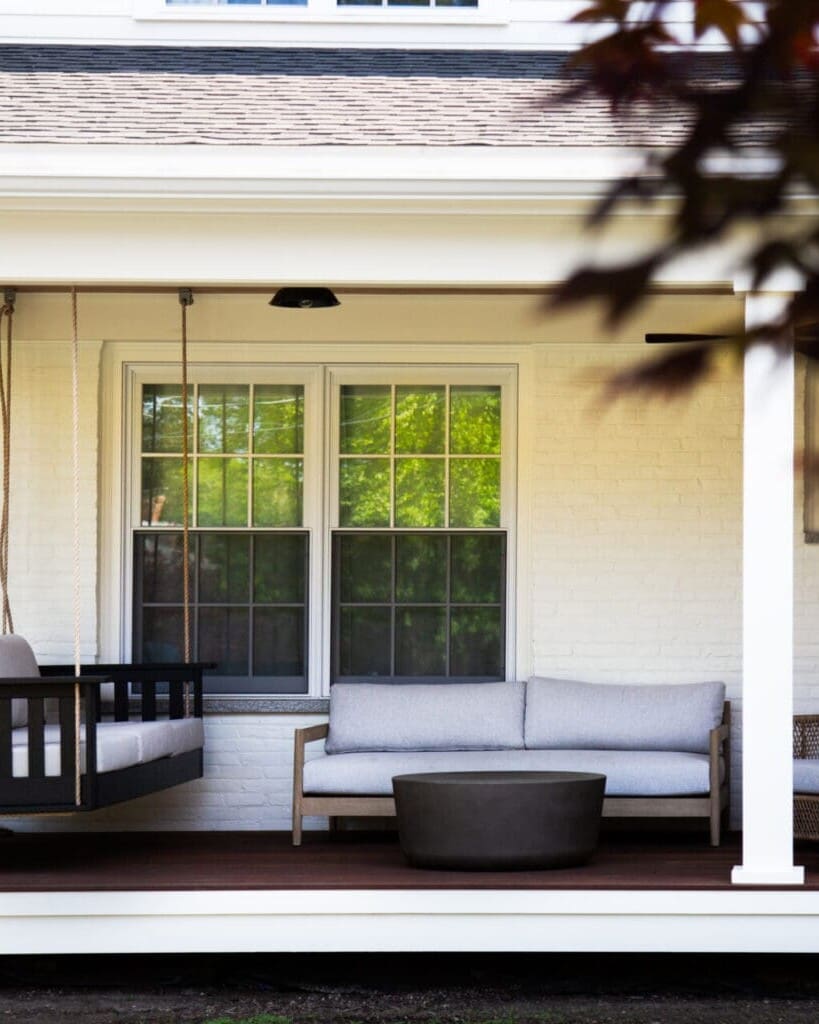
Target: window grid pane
436 612
248 606
246 455
434 465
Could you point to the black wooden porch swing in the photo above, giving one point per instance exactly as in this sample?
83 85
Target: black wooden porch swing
77 738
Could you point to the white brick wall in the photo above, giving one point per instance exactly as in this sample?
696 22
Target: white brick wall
637 520
40 548
636 554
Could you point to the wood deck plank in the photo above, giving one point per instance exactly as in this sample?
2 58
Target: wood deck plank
103 862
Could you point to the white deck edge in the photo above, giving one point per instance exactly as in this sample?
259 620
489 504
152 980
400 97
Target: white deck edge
409 921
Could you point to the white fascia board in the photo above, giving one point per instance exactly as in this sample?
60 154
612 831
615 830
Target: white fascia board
180 177
409 921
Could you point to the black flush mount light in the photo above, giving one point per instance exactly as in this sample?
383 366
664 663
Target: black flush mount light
304 298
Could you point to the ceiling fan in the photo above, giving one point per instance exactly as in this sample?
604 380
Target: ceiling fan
806 340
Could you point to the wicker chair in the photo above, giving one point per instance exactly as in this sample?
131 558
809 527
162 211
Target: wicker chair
806 805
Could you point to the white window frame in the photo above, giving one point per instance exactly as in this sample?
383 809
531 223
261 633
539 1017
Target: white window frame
488 12
310 376
504 377
127 365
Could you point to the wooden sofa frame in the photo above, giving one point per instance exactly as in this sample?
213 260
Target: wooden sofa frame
38 793
712 806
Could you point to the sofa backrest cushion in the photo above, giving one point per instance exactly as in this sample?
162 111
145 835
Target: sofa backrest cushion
424 716
563 714
17 661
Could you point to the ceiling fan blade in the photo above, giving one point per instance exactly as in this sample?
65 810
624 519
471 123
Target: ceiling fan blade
672 339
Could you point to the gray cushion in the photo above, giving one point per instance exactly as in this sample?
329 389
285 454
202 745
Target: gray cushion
116 748
628 773
561 713
449 716
119 744
17 661
805 775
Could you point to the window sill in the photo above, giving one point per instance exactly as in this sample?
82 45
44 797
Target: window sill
261 705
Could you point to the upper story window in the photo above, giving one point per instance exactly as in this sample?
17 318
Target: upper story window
432 11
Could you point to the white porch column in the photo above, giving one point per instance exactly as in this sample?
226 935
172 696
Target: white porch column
767 650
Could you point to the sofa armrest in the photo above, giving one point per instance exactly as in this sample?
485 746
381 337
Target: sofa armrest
805 736
719 746
300 740
312 732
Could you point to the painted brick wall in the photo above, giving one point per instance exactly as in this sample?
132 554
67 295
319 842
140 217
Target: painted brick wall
40 549
637 520
636 549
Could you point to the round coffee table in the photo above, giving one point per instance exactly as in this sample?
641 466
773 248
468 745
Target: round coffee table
498 820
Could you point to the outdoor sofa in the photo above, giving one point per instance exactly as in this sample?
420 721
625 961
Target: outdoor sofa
664 749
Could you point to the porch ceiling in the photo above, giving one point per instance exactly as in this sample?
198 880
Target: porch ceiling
395 316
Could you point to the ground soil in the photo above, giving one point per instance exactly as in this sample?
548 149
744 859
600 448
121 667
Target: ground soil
413 989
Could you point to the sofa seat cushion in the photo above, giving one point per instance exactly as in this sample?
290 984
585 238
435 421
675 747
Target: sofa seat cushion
119 744
628 773
423 716
806 775
569 715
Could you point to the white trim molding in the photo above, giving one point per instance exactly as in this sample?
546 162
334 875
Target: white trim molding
409 921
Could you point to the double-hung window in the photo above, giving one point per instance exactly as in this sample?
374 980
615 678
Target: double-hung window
249 552
419 549
366 523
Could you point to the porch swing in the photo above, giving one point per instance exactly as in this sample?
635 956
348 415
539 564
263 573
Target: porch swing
78 738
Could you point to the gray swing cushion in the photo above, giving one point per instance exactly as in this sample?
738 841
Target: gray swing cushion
17 661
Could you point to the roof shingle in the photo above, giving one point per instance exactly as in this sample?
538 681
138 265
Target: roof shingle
302 97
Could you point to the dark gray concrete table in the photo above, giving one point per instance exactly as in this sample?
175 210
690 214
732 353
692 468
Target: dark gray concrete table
498 820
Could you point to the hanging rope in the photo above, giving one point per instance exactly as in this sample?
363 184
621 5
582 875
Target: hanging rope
185 300
6 311
75 461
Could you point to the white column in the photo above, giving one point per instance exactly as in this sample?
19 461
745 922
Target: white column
767 649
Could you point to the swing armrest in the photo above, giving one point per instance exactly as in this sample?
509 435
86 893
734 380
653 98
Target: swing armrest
49 685
61 691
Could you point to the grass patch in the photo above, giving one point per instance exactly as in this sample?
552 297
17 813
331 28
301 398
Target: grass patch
259 1018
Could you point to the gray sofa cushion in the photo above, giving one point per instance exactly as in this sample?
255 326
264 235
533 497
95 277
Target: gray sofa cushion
562 714
17 661
450 716
628 773
805 775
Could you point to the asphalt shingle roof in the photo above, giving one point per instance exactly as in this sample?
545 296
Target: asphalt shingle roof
301 97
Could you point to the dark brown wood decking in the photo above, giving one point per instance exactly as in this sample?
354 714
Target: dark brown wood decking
265 860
